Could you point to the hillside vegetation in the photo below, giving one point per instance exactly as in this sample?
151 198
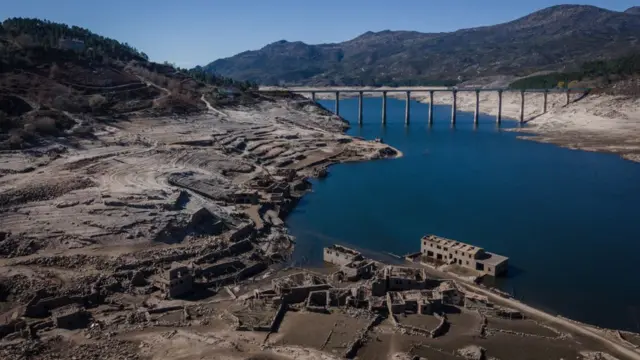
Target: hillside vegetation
601 73
49 89
559 38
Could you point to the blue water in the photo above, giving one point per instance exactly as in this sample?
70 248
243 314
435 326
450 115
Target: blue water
568 220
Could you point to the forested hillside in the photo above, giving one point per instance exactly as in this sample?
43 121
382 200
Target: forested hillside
57 80
601 73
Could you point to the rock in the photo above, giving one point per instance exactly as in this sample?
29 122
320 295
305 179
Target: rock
472 352
387 152
138 279
66 204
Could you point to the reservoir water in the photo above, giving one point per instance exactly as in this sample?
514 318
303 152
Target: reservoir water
568 220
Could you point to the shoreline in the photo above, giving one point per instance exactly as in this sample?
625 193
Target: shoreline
590 330
593 331
596 123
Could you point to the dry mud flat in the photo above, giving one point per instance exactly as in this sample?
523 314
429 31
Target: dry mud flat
92 237
93 229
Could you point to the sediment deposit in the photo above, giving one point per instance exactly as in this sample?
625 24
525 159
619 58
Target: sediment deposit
163 238
92 233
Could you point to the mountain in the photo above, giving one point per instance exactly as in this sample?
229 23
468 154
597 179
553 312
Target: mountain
633 10
555 38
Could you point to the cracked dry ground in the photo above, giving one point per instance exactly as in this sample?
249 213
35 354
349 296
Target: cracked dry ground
115 191
70 218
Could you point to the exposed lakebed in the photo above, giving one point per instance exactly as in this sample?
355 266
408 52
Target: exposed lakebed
568 220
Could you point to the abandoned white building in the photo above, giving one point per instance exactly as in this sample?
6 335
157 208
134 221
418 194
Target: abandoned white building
465 255
353 266
341 255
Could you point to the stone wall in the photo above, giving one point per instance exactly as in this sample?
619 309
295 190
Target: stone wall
247 272
245 231
220 269
355 345
234 249
442 327
39 307
299 294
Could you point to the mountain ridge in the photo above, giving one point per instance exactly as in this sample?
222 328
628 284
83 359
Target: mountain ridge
554 38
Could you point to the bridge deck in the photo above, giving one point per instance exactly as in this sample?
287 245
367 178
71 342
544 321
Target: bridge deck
435 89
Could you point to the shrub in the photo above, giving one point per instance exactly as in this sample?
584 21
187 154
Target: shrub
54 71
97 102
30 128
46 125
74 104
5 122
16 141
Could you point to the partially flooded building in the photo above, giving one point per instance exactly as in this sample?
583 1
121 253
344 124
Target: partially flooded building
462 254
341 255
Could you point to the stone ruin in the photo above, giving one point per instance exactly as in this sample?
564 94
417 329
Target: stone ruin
353 266
176 282
296 288
71 317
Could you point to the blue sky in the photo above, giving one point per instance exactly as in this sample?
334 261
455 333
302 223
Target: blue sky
196 32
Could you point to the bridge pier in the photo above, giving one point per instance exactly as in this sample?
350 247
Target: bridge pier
384 108
454 107
430 108
407 108
499 117
360 108
313 96
522 107
476 114
544 102
337 103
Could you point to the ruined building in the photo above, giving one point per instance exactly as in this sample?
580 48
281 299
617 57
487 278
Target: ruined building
465 255
175 282
398 278
70 317
341 255
353 266
295 288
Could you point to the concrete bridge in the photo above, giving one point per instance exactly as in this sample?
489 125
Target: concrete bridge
431 91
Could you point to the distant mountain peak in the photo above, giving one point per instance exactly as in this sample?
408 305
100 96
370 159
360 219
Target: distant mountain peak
549 39
635 10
